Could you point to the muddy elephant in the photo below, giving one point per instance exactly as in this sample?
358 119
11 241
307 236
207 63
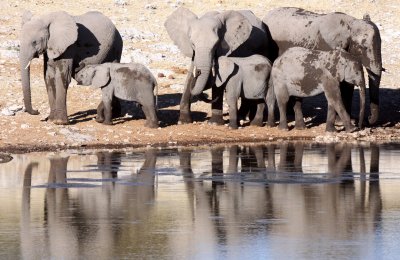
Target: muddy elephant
126 81
246 78
302 72
204 39
68 43
361 37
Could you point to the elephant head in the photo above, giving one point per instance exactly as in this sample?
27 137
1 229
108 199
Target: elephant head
50 34
206 38
253 74
95 75
351 71
365 43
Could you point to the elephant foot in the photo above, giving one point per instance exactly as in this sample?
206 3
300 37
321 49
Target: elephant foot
216 120
105 122
256 123
300 125
271 123
330 128
32 111
185 118
351 129
233 126
60 122
99 119
151 124
283 127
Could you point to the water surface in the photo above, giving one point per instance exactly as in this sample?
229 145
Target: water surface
270 201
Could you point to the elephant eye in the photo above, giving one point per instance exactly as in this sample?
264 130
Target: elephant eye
34 43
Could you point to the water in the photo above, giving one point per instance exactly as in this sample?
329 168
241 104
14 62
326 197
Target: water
287 200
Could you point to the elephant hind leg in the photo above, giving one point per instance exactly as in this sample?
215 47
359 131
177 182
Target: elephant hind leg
259 116
298 112
334 98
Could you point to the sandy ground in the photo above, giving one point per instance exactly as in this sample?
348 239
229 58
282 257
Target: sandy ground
146 41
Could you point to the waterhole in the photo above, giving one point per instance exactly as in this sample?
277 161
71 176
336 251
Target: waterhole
267 201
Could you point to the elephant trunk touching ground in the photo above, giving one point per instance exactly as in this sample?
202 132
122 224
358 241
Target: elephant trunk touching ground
25 60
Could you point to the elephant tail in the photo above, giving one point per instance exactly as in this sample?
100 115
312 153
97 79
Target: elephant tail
156 87
270 99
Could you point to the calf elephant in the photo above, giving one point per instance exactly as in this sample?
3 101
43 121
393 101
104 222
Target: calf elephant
246 78
291 27
130 81
301 72
68 43
204 39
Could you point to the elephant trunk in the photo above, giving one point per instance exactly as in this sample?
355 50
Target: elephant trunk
362 104
203 65
25 79
374 82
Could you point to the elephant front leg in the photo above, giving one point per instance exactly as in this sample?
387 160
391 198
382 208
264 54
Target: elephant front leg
107 102
100 113
216 107
184 113
49 76
151 117
330 119
259 117
63 69
233 114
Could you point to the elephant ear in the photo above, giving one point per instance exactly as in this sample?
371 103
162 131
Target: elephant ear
101 76
63 32
224 70
238 29
26 17
178 27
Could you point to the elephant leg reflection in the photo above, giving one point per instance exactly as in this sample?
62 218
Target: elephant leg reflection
339 160
375 198
25 232
217 166
233 159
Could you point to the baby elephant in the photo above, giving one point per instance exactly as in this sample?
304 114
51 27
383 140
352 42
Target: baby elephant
246 78
130 81
301 72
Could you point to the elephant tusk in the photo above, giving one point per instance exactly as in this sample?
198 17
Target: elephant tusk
194 72
213 72
27 66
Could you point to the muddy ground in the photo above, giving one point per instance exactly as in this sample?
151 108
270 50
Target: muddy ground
146 41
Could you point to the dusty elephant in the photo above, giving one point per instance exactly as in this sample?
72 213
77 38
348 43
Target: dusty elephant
302 72
204 39
68 43
246 78
291 27
130 81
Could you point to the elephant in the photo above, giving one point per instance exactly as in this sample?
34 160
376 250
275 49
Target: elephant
127 81
246 78
204 39
291 27
68 43
302 72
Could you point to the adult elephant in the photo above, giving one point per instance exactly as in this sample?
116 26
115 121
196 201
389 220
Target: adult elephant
67 43
204 39
297 27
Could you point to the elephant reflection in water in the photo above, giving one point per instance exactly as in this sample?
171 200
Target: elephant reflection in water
314 209
87 216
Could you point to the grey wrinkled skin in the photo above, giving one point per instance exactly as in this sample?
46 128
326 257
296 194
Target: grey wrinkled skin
300 72
246 78
204 39
130 81
291 27
68 43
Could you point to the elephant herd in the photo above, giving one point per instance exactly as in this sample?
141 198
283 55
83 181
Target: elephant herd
290 54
